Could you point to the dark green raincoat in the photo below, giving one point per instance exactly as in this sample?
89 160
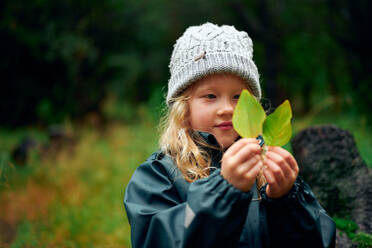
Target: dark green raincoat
166 211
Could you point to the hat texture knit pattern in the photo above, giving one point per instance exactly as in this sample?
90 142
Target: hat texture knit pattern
208 49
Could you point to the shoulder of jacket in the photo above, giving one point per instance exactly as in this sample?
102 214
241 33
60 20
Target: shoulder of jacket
160 157
162 162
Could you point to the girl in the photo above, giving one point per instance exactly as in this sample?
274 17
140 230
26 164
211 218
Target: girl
199 189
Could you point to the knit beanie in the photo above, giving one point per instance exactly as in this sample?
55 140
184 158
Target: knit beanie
208 49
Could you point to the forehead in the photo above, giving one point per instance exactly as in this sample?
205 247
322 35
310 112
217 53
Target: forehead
220 81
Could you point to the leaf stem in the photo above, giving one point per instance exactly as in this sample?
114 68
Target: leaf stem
261 180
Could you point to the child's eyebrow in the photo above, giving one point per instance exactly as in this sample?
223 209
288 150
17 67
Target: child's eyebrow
205 89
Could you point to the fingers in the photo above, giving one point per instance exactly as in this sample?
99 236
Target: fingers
247 176
238 145
288 158
241 152
281 171
253 172
279 163
274 174
246 152
241 163
246 166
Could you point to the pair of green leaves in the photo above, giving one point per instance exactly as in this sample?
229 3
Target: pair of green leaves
250 120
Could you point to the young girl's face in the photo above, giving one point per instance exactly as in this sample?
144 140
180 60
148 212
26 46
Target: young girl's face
212 102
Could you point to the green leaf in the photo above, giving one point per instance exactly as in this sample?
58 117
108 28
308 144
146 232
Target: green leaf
248 116
277 128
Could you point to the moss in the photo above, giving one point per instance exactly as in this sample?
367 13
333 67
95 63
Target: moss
364 240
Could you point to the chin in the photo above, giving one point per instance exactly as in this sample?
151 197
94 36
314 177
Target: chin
226 143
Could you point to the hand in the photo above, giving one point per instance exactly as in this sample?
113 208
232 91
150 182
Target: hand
241 163
280 170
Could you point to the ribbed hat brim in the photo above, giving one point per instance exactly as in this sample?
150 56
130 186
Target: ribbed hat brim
211 64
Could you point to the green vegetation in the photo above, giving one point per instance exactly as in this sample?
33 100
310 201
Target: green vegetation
63 59
364 240
74 198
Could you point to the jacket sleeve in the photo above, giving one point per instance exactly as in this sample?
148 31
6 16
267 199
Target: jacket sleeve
212 216
297 219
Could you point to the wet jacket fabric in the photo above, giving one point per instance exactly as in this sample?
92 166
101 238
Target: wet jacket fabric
164 210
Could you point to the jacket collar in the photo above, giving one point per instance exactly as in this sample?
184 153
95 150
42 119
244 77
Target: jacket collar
209 138
215 150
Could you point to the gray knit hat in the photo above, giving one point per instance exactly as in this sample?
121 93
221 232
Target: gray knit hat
208 49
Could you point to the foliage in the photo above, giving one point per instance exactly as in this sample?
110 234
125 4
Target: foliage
277 128
75 198
364 240
348 226
250 121
64 58
248 116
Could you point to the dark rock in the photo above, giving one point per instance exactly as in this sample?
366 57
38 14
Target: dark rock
343 241
330 162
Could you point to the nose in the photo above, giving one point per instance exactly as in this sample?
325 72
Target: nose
226 108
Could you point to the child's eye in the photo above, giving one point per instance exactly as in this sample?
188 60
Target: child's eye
236 97
210 96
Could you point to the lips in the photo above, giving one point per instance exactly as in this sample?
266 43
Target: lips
226 125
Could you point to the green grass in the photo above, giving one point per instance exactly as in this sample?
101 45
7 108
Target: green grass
75 198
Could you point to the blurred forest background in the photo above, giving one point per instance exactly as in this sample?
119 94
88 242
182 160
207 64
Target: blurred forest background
83 84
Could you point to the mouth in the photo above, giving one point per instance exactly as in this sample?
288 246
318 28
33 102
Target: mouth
226 125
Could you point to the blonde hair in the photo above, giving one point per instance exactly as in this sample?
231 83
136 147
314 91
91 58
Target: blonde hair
182 143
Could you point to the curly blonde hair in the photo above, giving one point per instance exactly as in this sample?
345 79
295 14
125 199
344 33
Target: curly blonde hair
181 142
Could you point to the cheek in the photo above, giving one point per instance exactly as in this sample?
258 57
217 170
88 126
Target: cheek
197 119
200 118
